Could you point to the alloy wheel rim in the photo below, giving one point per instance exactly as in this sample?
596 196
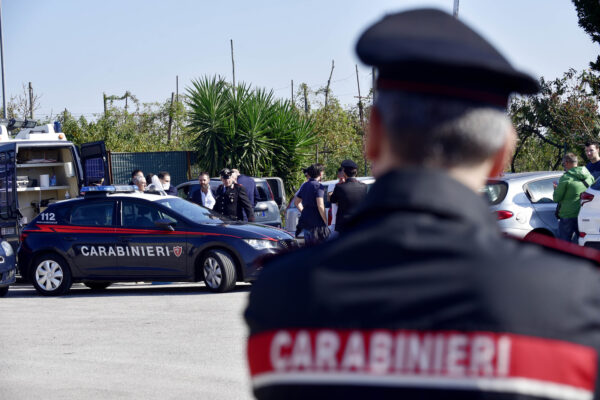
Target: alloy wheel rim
212 273
49 275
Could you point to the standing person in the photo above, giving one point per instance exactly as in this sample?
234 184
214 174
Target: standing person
204 196
591 151
232 199
310 201
248 183
134 173
348 195
422 297
140 182
165 181
334 207
573 182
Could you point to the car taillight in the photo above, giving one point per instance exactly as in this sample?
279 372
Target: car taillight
329 216
581 234
503 214
586 197
22 236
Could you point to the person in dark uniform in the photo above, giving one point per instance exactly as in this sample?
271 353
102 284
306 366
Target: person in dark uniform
232 199
421 296
347 195
249 185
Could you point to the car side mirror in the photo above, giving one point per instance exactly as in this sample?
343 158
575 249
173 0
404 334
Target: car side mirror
165 224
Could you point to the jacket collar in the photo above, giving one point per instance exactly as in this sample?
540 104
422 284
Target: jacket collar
424 191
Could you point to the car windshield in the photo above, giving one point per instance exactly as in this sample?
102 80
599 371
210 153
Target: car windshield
193 211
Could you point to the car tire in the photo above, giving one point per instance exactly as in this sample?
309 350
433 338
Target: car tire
218 271
3 291
51 276
97 286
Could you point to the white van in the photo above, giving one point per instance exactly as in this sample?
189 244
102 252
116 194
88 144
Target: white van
38 166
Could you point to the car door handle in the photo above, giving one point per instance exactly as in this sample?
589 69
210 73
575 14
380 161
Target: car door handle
70 238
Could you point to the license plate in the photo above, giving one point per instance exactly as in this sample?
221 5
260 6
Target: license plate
259 213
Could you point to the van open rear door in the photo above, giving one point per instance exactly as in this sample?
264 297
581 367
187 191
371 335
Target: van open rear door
95 164
278 189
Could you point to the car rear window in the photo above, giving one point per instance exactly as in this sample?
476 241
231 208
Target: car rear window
263 191
495 191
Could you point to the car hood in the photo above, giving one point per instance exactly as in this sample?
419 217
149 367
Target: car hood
255 231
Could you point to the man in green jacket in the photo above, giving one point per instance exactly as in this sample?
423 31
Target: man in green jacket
574 182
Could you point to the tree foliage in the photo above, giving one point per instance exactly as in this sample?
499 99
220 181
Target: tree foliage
144 129
248 129
562 117
588 12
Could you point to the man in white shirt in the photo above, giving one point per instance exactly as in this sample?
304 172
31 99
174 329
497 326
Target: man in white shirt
204 196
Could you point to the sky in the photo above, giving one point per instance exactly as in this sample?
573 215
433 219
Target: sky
73 51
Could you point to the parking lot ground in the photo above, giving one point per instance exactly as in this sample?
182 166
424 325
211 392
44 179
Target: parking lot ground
132 341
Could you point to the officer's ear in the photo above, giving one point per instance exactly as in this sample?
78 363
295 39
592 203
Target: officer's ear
375 135
502 158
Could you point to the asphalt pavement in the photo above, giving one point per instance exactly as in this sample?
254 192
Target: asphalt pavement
132 341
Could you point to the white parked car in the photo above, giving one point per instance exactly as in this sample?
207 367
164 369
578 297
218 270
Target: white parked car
292 214
589 217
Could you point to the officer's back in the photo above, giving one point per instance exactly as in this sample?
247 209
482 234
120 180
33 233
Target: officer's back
421 296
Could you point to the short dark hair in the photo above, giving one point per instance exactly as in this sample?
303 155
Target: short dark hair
162 174
135 172
592 144
315 170
350 172
203 173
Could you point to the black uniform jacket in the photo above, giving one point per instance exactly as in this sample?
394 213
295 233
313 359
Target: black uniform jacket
423 298
348 196
232 202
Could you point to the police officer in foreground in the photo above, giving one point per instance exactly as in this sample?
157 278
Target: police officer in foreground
421 296
232 199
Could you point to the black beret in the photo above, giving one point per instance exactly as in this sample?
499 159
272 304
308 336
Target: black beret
225 173
429 51
349 164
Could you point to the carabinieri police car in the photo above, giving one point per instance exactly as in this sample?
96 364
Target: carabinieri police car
117 234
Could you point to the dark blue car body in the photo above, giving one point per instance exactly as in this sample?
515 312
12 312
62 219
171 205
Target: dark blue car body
141 237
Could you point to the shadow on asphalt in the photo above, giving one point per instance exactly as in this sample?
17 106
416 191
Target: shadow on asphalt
123 290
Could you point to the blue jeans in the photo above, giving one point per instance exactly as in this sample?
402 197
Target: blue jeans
567 230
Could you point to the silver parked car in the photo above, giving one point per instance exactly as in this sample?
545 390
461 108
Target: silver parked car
266 210
523 202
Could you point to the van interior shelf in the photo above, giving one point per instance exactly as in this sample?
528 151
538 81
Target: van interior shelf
39 189
49 164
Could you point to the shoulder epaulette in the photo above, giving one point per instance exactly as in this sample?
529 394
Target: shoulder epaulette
562 246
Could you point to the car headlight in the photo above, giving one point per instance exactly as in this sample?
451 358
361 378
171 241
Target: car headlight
261 244
8 250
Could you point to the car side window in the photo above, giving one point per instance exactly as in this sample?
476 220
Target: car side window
93 214
137 215
541 191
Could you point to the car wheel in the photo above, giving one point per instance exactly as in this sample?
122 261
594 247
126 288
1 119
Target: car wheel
218 270
3 291
51 275
97 285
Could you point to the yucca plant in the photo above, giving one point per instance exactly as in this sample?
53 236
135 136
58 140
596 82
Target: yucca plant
247 129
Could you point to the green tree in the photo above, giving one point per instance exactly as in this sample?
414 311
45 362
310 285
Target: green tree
562 117
248 129
588 12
